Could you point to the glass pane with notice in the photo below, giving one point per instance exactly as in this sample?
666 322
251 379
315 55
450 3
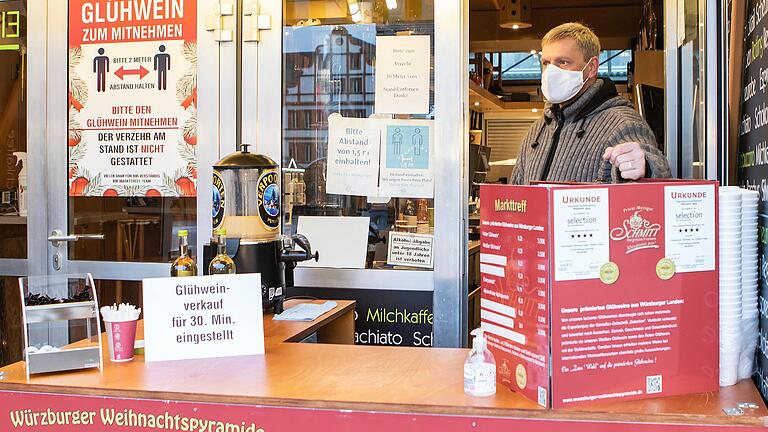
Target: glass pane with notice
132 131
358 110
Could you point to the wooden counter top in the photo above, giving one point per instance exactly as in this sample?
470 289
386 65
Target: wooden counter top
366 378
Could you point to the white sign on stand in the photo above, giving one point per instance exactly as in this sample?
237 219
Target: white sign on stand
203 317
402 74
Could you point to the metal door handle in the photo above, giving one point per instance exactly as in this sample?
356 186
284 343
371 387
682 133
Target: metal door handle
57 237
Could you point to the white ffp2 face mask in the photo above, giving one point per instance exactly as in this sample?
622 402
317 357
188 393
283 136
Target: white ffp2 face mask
560 85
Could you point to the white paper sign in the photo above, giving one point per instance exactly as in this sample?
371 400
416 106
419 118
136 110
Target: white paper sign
689 227
402 74
414 250
407 162
581 233
203 317
342 242
353 156
380 157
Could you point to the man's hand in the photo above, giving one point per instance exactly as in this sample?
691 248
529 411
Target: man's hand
629 158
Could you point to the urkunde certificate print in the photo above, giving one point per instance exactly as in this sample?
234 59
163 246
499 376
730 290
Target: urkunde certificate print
132 98
581 237
689 223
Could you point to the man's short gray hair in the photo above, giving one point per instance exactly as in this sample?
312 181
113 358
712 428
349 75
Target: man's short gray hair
585 38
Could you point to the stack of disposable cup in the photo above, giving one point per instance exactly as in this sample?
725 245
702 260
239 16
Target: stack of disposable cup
749 282
730 285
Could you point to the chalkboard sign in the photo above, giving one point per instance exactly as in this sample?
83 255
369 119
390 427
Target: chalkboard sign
753 152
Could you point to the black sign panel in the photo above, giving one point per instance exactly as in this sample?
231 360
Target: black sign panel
753 147
753 133
383 317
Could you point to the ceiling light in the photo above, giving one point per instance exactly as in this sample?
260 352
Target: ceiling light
515 14
391 4
533 52
477 103
534 110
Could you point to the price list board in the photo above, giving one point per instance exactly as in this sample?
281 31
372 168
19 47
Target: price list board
514 271
753 152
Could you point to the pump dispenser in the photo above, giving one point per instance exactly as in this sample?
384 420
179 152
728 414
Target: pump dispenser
479 368
21 157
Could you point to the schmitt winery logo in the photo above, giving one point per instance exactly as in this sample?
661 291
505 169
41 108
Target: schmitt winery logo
639 232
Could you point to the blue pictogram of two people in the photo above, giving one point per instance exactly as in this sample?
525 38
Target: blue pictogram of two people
417 142
162 64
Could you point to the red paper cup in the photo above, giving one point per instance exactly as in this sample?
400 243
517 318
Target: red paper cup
121 335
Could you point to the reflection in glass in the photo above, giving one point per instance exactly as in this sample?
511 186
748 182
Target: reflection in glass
692 91
138 229
526 65
329 51
11 329
13 126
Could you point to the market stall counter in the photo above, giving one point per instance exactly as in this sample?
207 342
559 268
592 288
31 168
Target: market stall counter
325 386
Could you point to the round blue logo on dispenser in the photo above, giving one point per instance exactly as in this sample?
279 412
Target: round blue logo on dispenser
269 199
218 200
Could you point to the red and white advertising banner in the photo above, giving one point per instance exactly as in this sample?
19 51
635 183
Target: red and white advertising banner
132 98
41 412
617 283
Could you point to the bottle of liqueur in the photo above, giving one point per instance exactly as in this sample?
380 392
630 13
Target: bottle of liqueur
221 263
184 265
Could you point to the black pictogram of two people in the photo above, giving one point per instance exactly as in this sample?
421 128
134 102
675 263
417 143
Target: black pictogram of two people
162 64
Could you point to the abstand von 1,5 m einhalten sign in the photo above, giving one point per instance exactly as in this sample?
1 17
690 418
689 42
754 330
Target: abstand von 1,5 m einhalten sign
132 98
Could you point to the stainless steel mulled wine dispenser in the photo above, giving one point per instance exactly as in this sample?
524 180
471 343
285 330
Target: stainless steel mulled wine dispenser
246 203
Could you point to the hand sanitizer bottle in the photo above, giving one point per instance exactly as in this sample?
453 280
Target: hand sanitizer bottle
479 368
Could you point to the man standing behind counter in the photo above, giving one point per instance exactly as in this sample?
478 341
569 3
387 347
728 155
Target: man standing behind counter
587 128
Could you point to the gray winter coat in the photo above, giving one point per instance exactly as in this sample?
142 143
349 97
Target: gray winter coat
568 144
